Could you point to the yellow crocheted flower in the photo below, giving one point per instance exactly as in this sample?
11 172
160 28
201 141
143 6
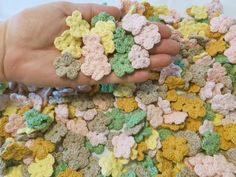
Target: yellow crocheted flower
171 95
161 10
3 122
215 47
218 120
111 165
41 148
15 171
105 29
149 10
163 164
187 27
194 107
127 104
225 142
134 152
67 43
193 124
194 88
141 148
178 105
78 26
199 12
174 82
14 150
10 110
70 173
22 110
175 148
151 141
42 168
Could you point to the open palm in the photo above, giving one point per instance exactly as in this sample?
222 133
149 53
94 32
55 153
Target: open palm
30 51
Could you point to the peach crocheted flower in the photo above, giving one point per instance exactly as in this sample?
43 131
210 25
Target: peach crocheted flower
221 24
78 126
62 113
14 123
154 115
175 117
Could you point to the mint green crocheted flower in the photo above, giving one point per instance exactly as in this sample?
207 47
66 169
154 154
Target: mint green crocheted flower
134 118
117 119
36 120
102 16
121 65
210 142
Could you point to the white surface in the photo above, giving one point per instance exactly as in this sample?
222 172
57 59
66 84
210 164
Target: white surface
10 7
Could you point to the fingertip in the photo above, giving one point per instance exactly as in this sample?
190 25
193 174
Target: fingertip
164 30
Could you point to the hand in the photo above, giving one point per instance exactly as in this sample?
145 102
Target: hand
30 51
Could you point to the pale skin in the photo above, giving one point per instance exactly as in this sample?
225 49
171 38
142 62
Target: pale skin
27 51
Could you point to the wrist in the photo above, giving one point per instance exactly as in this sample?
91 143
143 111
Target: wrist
2 50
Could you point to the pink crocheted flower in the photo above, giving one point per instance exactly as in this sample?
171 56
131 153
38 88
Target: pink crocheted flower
231 34
140 104
78 126
62 113
36 100
206 92
97 138
148 37
175 117
231 54
19 100
139 57
15 122
122 145
170 70
217 73
154 115
92 45
221 24
87 115
97 68
214 7
217 165
223 103
164 105
206 126
167 19
133 23
206 60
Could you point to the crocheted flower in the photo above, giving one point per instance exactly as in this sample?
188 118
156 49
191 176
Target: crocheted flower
102 16
96 68
78 26
139 57
194 108
117 119
41 148
215 47
67 66
92 45
154 115
223 103
126 104
210 142
56 133
96 138
133 23
78 126
12 150
124 90
37 120
87 115
122 145
121 65
221 24
135 117
14 123
175 117
62 113
123 42
174 148
43 168
148 37
199 12
230 54
68 44
174 82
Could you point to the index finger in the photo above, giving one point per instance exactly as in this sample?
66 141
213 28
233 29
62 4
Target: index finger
164 31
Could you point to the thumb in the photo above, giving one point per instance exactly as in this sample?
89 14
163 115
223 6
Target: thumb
90 10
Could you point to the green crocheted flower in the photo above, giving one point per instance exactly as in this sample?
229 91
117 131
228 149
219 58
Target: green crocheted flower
220 58
164 133
36 120
94 149
121 65
102 16
107 88
123 42
134 118
129 174
149 165
210 115
60 168
145 132
210 142
117 119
